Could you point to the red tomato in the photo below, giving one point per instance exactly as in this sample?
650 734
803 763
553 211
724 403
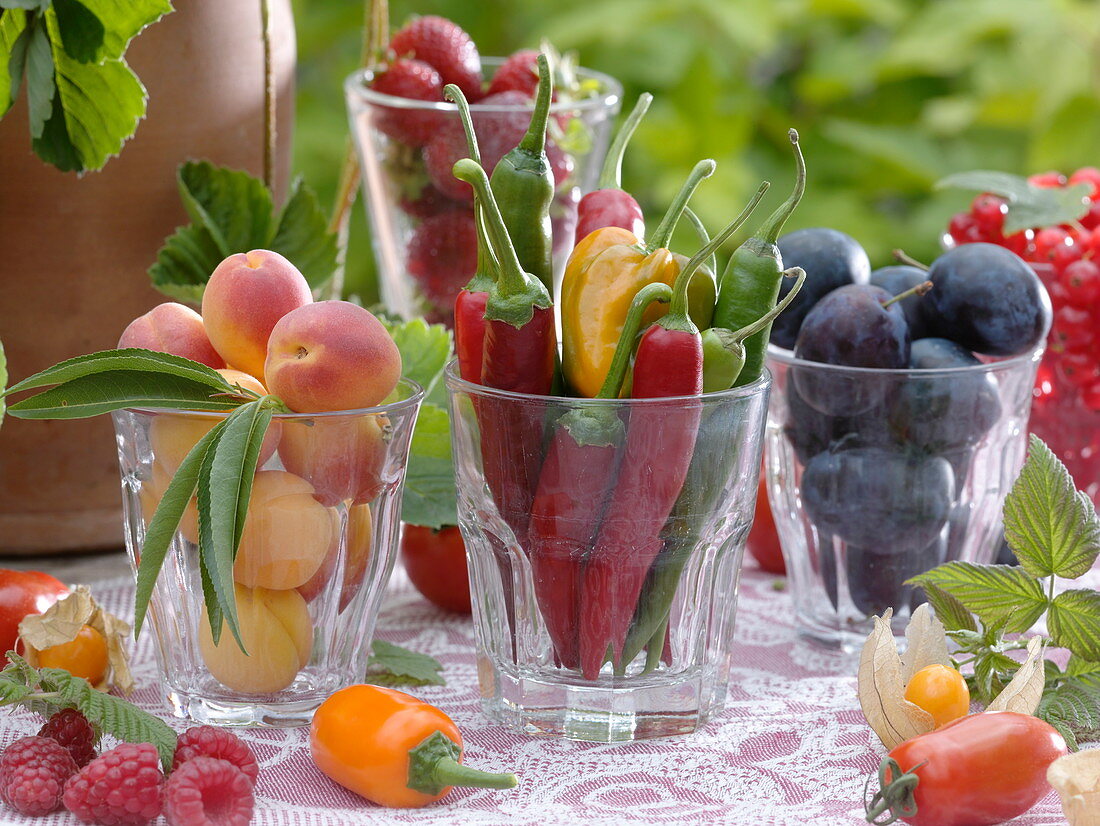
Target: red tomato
983 769
763 540
436 563
23 593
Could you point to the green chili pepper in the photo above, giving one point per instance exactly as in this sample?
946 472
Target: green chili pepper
523 184
749 286
703 289
724 351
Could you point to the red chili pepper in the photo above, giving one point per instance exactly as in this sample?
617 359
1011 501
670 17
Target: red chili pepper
660 440
609 205
471 299
573 489
520 350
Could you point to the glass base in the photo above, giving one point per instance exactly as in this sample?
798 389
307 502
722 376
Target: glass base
851 638
210 703
640 708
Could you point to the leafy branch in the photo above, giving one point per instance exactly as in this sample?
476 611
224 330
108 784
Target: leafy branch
1053 530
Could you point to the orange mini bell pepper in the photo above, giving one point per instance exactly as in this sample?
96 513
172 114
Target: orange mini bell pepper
392 749
604 273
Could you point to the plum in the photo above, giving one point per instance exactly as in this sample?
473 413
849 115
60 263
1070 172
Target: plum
899 279
879 497
987 299
811 431
831 259
944 413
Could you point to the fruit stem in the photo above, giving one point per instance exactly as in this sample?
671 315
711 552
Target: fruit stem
433 766
921 289
663 235
770 315
770 229
612 384
902 257
269 97
534 140
611 175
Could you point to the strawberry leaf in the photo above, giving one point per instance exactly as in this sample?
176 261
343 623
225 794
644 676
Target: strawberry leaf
392 665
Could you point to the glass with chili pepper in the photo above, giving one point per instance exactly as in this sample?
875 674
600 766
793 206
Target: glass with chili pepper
876 475
599 538
319 541
422 217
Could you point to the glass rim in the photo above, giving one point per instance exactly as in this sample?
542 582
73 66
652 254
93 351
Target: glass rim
787 358
416 395
455 383
611 94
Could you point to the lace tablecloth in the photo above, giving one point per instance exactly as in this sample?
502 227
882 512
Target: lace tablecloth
791 748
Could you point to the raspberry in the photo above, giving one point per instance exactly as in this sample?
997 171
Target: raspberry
121 787
207 791
446 48
989 211
208 741
1088 175
442 255
429 201
33 771
72 730
1047 180
415 80
519 73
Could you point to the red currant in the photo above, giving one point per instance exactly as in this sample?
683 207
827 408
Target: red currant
1073 329
1059 295
1081 280
1047 242
1088 175
1091 396
1091 219
964 228
989 211
1047 180
1018 242
1079 368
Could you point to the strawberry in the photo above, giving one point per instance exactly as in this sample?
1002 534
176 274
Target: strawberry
425 202
519 73
442 255
412 79
446 47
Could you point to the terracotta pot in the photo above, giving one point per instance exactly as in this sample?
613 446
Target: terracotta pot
75 250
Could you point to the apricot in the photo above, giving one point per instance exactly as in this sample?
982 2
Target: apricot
277 633
172 328
246 295
341 456
332 355
152 491
172 435
359 541
287 533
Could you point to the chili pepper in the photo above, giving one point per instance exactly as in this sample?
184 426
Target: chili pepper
669 363
750 284
983 769
609 205
573 489
724 351
392 749
470 302
703 290
523 184
605 271
520 353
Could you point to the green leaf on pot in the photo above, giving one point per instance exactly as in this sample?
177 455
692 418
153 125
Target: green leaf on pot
232 212
40 82
1028 206
133 359
96 30
162 527
14 37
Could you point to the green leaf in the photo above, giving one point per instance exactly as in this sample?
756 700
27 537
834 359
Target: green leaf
996 593
949 611
82 32
231 475
302 235
1049 524
1028 206
40 83
235 208
430 497
392 665
111 715
14 37
3 381
1074 622
184 264
118 390
119 22
30 5
425 350
96 109
12 691
132 358
162 527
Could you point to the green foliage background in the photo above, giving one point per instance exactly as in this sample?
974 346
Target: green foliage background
888 95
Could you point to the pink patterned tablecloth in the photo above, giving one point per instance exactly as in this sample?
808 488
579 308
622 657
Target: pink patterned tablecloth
791 748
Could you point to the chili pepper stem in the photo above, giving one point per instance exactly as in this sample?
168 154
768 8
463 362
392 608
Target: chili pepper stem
677 318
773 313
535 137
611 174
921 289
770 229
902 257
433 766
663 235
484 275
657 291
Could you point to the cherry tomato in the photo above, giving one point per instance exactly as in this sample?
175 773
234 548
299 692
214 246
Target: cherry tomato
763 540
436 563
941 691
23 593
391 748
85 656
983 769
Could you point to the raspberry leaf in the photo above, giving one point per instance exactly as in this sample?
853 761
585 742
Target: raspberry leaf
1074 622
1028 205
392 665
998 594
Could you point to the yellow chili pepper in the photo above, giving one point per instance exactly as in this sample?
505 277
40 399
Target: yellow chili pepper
604 273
